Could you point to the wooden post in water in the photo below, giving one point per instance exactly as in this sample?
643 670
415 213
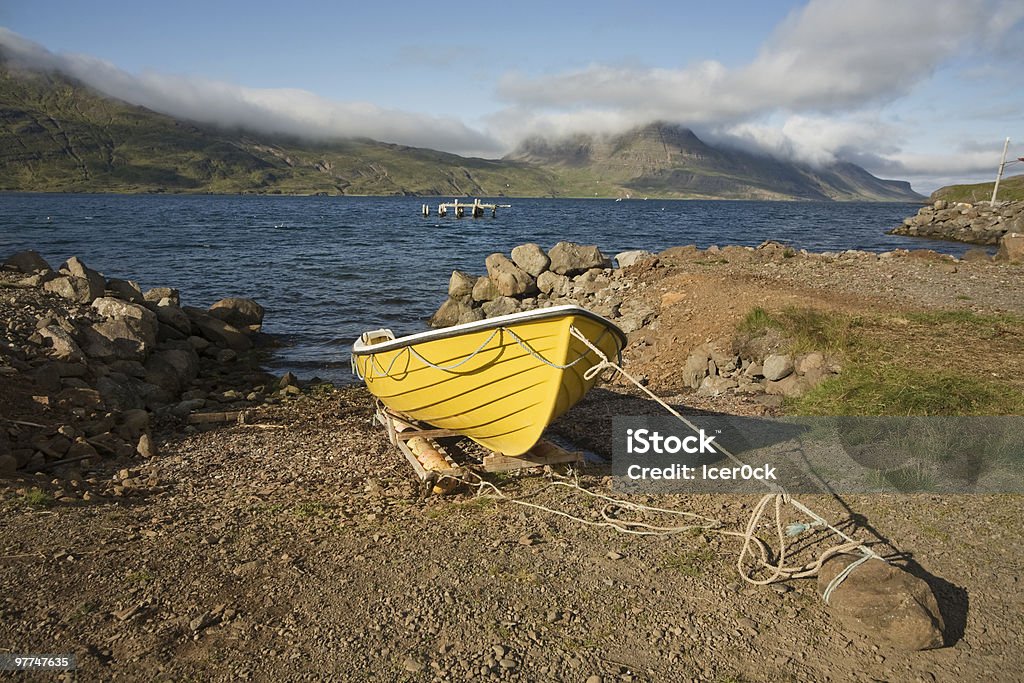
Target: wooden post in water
476 209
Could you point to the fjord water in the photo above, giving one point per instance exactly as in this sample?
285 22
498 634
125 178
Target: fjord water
328 268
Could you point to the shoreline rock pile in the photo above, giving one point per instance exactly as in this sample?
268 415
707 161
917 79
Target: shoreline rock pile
99 358
769 377
568 273
980 223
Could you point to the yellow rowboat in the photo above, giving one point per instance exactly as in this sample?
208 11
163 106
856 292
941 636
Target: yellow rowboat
499 381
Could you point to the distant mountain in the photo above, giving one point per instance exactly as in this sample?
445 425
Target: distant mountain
667 160
57 135
1011 188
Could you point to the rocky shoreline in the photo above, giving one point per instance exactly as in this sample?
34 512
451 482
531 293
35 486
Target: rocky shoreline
980 223
100 361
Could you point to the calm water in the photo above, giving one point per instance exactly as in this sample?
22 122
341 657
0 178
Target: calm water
328 268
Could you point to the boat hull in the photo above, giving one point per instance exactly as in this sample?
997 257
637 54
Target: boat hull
499 382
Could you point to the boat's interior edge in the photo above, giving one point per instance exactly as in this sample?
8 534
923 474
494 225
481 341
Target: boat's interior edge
360 349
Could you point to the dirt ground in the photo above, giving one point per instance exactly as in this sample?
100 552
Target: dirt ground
298 547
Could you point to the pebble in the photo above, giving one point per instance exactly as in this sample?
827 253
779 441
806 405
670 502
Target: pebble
614 555
413 665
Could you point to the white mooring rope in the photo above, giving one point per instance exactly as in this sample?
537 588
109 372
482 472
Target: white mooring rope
778 570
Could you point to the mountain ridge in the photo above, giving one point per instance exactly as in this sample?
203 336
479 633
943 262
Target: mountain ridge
59 135
665 159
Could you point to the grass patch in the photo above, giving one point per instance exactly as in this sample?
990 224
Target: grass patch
863 388
804 329
38 498
690 562
142 577
311 509
939 362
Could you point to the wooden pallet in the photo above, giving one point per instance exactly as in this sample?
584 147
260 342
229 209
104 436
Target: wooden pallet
401 428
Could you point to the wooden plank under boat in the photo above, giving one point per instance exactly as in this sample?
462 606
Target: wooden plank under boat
498 381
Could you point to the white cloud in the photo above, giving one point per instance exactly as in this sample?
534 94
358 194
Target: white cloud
827 73
283 111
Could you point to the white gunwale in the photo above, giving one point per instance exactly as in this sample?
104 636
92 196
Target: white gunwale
361 348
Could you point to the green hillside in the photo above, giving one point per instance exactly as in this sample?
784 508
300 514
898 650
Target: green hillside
56 136
667 160
59 136
1011 188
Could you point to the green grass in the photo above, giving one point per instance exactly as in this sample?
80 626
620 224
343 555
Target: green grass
142 576
38 498
689 562
804 329
311 509
867 388
895 366
1011 188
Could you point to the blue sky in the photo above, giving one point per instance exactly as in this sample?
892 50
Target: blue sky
918 89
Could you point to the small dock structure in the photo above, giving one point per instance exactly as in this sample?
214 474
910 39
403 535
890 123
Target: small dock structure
476 209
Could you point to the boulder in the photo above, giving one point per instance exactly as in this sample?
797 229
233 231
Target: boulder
503 305
485 290
134 423
138 316
634 319
716 386
777 366
531 258
450 312
39 279
172 369
244 314
508 278
129 339
168 313
695 370
591 282
146 447
884 602
790 386
1011 248
126 290
8 464
158 293
75 268
810 364
471 315
62 346
28 261
553 283
75 289
96 345
625 259
460 285
217 331
121 391
569 258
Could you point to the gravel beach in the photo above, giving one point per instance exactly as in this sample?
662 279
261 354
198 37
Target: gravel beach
282 537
